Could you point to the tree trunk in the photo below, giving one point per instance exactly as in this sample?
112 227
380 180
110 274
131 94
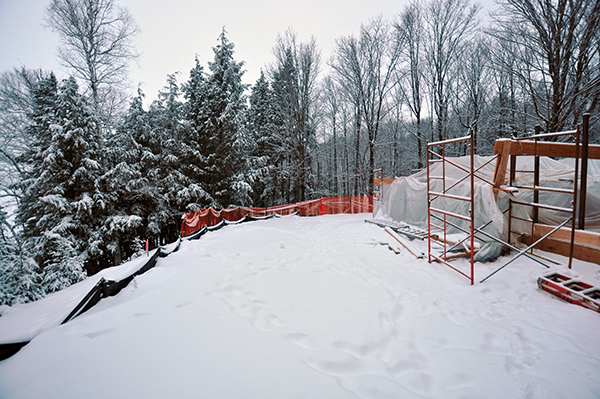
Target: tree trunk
371 160
356 165
335 160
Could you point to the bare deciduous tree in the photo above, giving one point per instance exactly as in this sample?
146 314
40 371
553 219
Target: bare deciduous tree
557 44
474 86
367 66
346 64
411 27
450 23
15 108
331 103
96 44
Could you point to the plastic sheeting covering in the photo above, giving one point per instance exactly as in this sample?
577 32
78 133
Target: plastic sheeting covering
405 200
557 174
194 222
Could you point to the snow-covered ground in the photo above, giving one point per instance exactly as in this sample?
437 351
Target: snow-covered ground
312 308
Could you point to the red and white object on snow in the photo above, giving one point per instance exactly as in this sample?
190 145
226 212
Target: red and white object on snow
571 290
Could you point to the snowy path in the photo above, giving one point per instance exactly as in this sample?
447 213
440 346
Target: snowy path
316 308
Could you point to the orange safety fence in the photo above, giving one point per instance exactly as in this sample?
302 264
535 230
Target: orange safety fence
193 222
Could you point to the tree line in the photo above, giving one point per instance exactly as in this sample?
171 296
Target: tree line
88 174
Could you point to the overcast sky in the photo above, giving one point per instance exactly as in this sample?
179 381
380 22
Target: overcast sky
172 32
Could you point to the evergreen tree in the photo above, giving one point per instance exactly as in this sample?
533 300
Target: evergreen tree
19 280
128 190
261 126
165 119
192 158
216 111
294 88
60 202
285 155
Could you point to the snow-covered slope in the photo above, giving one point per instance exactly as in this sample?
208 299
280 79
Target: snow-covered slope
315 308
21 323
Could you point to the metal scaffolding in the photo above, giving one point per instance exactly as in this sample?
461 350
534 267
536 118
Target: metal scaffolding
440 220
569 144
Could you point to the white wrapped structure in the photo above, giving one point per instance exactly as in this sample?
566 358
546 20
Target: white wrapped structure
405 200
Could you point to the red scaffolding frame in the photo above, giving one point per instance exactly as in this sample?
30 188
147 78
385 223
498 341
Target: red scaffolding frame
439 156
436 153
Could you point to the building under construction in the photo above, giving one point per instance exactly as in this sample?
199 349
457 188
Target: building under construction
536 192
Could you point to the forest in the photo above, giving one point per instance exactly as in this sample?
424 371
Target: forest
88 173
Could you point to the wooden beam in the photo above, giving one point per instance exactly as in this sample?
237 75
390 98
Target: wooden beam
502 161
545 148
581 236
582 252
416 253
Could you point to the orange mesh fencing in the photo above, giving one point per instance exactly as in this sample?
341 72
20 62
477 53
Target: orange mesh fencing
309 208
232 215
193 222
283 210
335 205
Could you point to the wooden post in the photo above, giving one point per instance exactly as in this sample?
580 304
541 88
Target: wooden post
503 154
513 169
585 137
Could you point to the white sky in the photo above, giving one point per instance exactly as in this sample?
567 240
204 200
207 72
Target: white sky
172 32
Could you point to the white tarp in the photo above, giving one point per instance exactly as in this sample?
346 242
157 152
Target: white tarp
405 200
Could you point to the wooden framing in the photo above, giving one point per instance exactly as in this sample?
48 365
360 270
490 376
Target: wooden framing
586 245
581 236
502 148
544 148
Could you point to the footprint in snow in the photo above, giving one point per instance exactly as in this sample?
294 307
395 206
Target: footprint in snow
99 333
302 340
184 305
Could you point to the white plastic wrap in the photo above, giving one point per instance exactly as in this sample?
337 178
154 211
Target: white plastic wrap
405 200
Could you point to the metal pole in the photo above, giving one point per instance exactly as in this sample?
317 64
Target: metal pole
574 197
444 191
472 209
509 219
428 209
522 252
585 137
536 178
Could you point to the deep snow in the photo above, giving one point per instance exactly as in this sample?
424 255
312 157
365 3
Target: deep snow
309 308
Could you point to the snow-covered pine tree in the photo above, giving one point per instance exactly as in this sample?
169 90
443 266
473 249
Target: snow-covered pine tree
285 156
261 125
130 195
167 145
60 202
19 280
294 87
215 113
192 160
